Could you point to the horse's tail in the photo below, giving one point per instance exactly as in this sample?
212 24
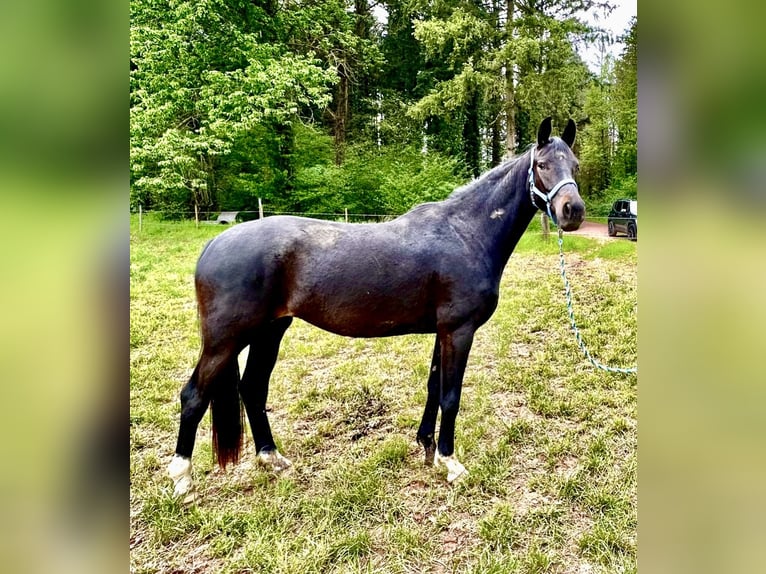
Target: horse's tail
226 409
225 406
227 415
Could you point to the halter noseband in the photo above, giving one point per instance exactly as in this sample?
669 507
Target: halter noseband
547 198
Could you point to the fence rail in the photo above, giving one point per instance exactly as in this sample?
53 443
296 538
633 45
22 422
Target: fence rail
246 215
155 218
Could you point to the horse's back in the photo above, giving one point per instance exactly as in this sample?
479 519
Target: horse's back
312 241
353 279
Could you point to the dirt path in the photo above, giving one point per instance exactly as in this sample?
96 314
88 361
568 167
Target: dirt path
593 229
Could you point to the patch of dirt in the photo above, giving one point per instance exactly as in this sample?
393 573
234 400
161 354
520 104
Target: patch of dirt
363 413
520 350
591 229
530 500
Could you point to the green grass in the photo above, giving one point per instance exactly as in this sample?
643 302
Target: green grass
550 443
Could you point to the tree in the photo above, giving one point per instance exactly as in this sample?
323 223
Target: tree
344 42
608 147
460 36
597 138
626 105
511 65
200 80
549 77
313 105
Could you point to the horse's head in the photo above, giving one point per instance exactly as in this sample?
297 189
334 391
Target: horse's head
551 176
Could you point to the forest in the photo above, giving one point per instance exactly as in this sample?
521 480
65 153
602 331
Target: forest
369 106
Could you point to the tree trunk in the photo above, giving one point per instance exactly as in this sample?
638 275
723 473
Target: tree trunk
204 195
341 114
471 134
496 102
510 96
285 139
497 154
363 19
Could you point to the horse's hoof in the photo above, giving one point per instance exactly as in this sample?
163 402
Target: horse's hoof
455 469
179 471
429 446
191 496
274 461
430 455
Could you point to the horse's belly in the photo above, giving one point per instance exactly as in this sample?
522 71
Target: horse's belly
368 329
367 316
363 285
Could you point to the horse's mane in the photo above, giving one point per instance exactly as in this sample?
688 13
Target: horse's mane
491 178
478 188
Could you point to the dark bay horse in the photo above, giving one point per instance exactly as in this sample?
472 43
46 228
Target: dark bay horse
435 269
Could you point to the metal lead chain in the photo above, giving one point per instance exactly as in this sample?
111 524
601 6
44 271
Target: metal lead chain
578 337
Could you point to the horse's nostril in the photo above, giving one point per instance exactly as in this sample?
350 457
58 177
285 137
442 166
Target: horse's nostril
568 210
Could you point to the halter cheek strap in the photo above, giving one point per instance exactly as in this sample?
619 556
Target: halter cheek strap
547 198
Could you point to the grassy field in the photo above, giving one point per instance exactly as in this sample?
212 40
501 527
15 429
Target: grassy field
549 442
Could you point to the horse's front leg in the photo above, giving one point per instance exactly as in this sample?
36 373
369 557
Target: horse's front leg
455 347
428 424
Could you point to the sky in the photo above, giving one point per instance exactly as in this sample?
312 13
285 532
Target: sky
616 22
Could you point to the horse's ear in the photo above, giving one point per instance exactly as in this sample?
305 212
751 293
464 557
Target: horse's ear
544 131
569 133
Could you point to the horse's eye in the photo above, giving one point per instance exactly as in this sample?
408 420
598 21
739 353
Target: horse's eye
541 165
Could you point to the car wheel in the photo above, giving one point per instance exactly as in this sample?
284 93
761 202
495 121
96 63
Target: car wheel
632 235
610 229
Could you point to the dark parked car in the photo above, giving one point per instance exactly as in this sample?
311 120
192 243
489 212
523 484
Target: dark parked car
624 218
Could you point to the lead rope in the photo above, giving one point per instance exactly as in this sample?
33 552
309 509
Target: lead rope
578 337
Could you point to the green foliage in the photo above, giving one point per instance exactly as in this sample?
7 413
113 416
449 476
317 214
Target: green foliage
255 168
550 76
487 75
608 142
386 180
597 137
413 178
626 105
624 188
319 107
200 81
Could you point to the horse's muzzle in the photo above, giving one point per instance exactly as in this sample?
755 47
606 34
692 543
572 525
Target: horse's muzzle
569 208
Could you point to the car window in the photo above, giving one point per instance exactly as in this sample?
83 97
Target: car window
634 207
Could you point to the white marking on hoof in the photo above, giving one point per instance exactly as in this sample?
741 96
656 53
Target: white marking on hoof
455 470
273 460
180 471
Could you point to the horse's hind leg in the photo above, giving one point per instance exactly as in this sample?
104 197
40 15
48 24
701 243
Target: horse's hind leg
254 390
214 369
425 434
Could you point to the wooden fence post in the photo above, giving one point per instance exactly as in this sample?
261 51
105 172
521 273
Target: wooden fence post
140 218
345 211
545 226
260 209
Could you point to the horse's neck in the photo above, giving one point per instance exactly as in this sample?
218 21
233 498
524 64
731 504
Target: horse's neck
519 214
499 212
